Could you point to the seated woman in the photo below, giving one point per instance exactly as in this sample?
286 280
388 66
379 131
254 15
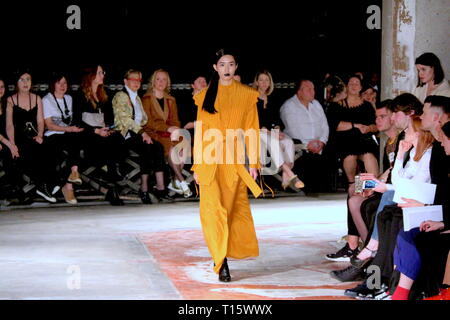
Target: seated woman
416 169
352 123
6 149
93 112
431 77
424 249
25 129
62 134
369 94
163 125
280 146
357 224
130 119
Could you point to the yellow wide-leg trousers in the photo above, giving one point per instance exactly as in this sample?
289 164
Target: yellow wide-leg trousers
226 220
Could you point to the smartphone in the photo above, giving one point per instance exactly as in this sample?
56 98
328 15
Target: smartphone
369 184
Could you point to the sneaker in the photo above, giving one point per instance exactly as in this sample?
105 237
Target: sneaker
343 255
44 193
348 274
175 187
69 196
186 190
361 291
74 178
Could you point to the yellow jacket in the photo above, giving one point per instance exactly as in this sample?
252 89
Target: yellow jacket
236 106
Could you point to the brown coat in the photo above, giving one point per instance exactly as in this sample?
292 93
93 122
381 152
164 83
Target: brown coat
159 120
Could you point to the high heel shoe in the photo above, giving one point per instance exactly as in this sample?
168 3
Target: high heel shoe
224 273
361 263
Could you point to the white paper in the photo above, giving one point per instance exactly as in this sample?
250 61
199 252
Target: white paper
420 191
413 217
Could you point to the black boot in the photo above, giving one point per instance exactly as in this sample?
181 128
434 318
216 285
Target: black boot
145 197
113 197
224 273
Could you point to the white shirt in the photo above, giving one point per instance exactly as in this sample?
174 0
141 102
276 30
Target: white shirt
136 105
418 171
51 111
442 90
303 123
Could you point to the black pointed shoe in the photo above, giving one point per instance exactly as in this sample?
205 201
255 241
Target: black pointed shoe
224 273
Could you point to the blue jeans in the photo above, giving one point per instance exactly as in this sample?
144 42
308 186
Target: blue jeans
386 199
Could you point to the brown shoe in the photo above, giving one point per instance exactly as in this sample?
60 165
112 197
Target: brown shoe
69 195
74 178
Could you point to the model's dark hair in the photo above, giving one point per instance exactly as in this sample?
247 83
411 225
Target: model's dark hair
56 77
439 102
407 103
385 104
211 92
431 60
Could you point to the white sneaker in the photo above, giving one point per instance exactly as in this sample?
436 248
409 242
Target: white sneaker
175 187
186 190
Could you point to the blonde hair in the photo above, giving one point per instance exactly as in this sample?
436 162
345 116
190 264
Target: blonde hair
151 81
267 73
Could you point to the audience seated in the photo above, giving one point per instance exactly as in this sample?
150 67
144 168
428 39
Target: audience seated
163 126
431 78
25 130
101 144
62 135
358 224
278 144
130 119
304 120
352 123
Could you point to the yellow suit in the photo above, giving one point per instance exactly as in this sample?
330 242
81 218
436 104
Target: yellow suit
224 206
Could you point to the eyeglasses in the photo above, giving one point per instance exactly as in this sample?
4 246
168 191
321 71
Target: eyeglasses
132 79
24 80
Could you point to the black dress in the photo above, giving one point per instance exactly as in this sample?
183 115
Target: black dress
352 142
34 158
269 117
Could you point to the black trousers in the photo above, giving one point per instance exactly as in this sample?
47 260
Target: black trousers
151 156
99 151
35 161
433 248
69 142
314 171
390 221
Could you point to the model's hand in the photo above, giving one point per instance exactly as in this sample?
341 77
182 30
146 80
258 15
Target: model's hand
254 173
103 132
196 177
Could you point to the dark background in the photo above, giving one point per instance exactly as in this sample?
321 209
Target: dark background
290 39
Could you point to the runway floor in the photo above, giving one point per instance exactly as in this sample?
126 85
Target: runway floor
158 252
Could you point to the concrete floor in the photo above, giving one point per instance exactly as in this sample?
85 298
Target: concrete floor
157 252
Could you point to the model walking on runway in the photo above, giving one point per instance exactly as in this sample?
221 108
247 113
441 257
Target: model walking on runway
227 108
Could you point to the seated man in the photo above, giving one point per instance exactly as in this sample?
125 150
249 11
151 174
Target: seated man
305 120
358 226
130 119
